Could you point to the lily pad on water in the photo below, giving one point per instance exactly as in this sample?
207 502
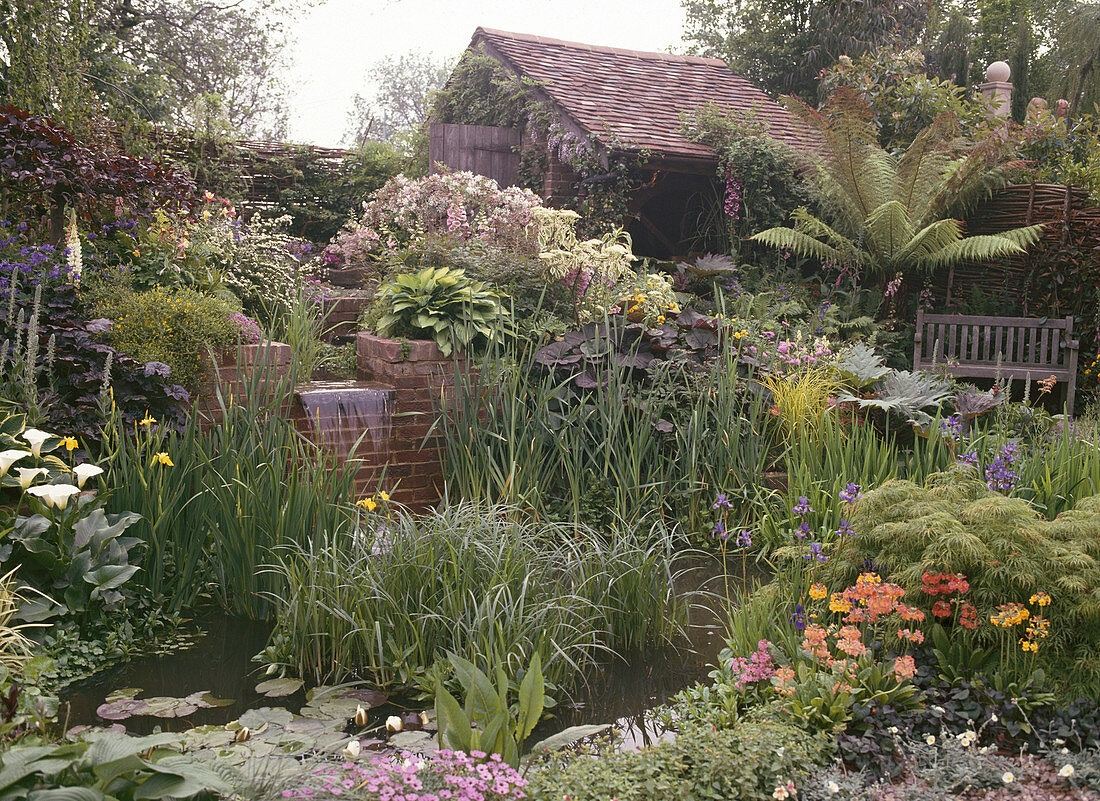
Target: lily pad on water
333 703
419 741
255 718
123 704
278 688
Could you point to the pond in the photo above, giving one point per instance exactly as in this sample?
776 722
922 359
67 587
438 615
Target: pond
220 664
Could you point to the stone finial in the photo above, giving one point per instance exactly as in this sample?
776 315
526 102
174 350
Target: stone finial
998 72
997 90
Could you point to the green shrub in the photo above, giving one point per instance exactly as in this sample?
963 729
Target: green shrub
392 604
748 761
956 524
175 327
439 304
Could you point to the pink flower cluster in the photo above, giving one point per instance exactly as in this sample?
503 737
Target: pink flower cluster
444 776
249 328
455 203
786 353
755 668
733 196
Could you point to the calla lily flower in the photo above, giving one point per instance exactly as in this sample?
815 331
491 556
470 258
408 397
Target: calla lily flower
55 496
36 439
85 471
27 475
10 457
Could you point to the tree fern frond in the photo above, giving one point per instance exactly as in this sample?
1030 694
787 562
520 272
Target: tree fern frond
974 248
929 240
889 229
817 228
798 242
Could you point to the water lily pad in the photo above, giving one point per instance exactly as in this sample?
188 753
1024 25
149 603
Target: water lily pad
277 688
414 741
124 693
255 718
121 709
306 726
168 707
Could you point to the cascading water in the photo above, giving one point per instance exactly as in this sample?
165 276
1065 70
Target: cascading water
342 412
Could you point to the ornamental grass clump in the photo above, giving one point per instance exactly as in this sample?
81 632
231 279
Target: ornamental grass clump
390 605
1015 563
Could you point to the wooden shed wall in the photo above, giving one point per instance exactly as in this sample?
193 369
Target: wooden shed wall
480 149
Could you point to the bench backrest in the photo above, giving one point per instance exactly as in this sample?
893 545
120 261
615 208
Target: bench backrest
1036 344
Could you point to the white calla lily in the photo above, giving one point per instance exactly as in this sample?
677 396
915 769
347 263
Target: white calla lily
84 471
27 475
55 496
10 457
36 439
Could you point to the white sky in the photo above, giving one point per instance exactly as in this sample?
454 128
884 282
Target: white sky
338 40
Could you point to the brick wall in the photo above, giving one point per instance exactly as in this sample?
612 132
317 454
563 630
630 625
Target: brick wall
342 314
232 373
423 379
558 183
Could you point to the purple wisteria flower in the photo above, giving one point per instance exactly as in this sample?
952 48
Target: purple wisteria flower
851 493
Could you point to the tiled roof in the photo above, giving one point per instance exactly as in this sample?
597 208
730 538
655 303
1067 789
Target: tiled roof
634 100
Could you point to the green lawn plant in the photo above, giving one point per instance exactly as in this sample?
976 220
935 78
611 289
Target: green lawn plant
439 304
394 603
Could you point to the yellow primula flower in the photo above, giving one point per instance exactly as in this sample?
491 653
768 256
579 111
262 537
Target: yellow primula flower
163 458
818 591
1040 598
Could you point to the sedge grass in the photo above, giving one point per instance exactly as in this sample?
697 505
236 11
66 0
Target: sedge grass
389 605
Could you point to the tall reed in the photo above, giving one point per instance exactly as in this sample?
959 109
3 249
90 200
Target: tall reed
519 435
391 603
239 486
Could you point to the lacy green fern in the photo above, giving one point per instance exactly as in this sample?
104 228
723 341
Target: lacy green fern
893 214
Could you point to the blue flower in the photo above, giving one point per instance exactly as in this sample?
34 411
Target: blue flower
803 531
722 502
803 507
799 617
845 529
744 539
815 552
720 531
851 493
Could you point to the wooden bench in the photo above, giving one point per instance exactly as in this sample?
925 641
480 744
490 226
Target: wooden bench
1013 348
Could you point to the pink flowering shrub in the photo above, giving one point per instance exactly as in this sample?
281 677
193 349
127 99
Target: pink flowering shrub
753 669
458 204
444 776
251 332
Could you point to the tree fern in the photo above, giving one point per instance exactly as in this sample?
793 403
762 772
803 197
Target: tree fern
896 214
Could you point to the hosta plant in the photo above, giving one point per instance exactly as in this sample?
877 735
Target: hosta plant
439 304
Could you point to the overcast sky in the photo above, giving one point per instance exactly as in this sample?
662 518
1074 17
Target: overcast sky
338 40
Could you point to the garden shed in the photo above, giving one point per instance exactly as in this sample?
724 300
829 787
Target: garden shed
610 102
